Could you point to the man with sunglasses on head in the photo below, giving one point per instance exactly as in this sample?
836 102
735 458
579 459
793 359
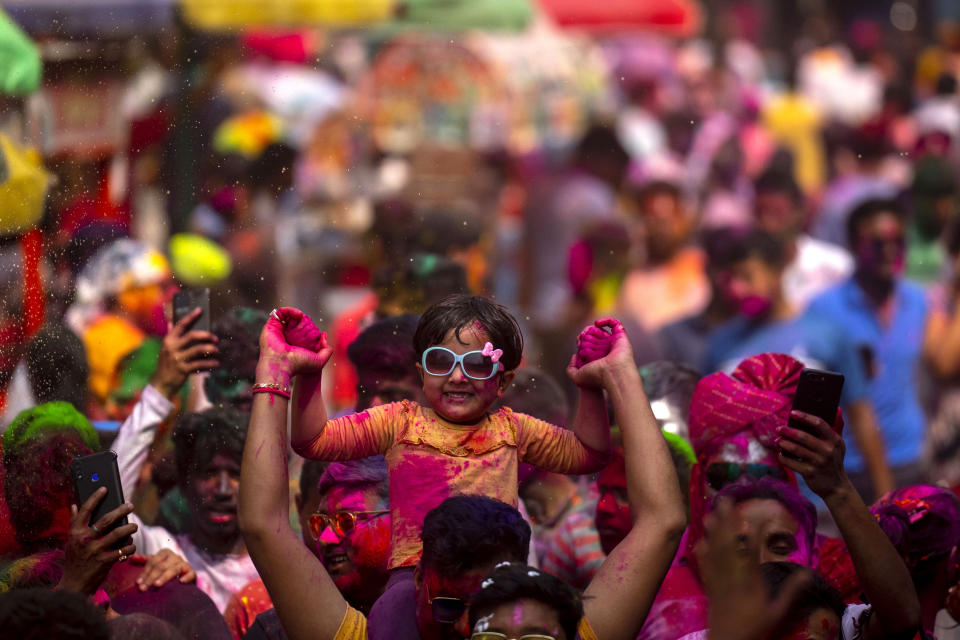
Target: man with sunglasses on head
466 536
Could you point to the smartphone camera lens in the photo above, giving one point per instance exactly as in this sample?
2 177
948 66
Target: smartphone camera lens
95 477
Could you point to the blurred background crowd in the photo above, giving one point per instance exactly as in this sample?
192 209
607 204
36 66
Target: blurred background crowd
727 177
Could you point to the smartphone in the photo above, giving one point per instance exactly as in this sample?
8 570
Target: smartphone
95 471
189 299
818 393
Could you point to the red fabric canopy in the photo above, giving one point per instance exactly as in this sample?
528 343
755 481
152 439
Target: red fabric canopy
672 17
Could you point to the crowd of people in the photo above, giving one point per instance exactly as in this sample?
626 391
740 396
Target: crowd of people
556 405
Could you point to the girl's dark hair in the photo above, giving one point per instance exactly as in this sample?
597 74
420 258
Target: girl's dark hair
459 311
817 594
512 582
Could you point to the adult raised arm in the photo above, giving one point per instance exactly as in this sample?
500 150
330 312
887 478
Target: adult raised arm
306 599
619 597
816 453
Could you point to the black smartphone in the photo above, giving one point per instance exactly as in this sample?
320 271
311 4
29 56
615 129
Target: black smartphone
818 393
95 471
189 299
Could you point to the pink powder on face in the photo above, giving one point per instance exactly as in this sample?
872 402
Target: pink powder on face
517 614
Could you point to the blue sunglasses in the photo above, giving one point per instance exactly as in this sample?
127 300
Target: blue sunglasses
440 361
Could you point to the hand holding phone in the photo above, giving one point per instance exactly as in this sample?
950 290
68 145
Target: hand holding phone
818 394
185 350
186 301
91 474
810 444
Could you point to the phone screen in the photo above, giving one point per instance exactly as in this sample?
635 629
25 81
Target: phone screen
818 393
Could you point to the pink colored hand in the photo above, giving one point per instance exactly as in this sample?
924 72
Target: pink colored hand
593 343
603 346
286 359
298 329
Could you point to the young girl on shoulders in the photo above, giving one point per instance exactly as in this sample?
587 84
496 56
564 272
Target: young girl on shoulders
468 349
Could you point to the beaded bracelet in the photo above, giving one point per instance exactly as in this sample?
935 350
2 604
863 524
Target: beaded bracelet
272 389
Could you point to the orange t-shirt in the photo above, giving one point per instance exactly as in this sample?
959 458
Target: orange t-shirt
430 459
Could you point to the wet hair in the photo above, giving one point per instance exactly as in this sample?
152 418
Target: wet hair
468 532
38 484
142 626
198 437
363 473
40 614
67 381
460 311
310 475
866 211
789 496
537 394
756 244
923 523
512 582
239 333
777 181
816 594
384 351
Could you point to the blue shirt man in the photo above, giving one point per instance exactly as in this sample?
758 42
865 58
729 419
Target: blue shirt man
891 351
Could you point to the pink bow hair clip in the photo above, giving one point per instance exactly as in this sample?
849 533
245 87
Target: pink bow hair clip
493 354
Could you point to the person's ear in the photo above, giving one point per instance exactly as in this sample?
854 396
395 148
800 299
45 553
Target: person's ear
505 379
419 373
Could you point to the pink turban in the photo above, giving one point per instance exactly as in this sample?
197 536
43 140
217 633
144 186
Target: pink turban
758 397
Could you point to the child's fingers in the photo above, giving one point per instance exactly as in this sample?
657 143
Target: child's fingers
595 341
596 334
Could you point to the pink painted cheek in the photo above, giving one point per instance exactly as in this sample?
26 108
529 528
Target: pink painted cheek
370 548
755 306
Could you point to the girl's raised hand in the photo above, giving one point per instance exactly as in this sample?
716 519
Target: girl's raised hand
593 341
298 329
290 340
